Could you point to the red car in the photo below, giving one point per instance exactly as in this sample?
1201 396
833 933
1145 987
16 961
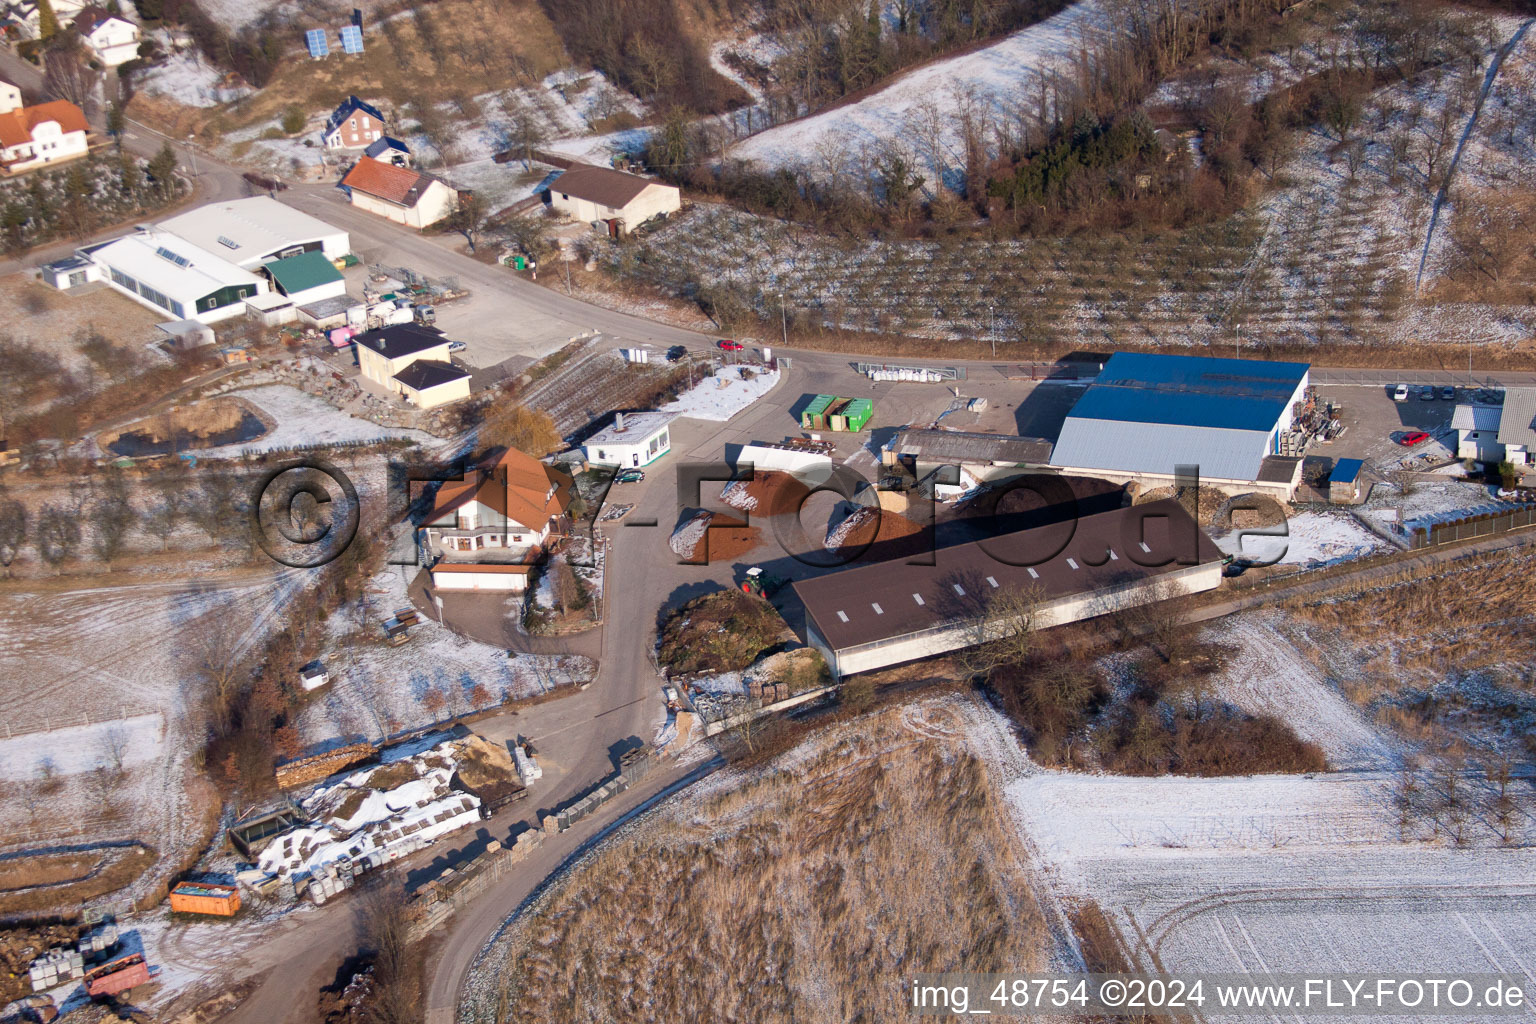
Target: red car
729 346
1412 438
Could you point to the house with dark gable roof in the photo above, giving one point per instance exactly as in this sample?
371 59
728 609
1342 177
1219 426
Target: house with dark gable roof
353 125
620 201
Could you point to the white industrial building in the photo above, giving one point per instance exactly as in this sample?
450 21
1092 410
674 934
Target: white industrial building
172 276
621 201
634 439
896 611
1147 415
253 232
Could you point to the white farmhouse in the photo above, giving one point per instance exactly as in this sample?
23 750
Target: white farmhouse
621 201
635 439
110 39
398 193
33 137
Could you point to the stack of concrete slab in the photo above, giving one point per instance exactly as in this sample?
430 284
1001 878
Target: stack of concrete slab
527 767
99 942
56 967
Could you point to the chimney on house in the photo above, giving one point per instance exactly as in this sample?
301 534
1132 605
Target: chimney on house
618 423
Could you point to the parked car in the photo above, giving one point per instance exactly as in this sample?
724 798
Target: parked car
457 346
727 345
676 352
1401 394
1426 393
1448 393
630 476
1412 438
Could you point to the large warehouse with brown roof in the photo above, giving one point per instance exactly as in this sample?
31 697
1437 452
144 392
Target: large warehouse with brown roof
892 612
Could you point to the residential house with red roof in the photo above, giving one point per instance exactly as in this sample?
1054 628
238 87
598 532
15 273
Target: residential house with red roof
40 136
400 194
503 513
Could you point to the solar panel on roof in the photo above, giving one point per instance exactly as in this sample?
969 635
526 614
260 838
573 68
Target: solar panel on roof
166 254
319 46
351 39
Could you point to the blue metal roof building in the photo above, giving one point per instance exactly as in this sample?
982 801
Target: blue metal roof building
1147 414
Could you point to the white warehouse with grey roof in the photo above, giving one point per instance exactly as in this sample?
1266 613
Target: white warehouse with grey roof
252 232
1147 415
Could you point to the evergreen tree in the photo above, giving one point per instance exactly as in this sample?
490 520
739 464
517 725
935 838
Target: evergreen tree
47 21
129 178
162 170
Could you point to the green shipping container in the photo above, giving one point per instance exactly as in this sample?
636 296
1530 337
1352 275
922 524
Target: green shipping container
858 413
815 415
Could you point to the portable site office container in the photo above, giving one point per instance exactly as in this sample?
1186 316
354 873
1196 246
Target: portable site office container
815 414
205 898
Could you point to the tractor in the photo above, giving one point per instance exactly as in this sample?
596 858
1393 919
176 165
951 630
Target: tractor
761 584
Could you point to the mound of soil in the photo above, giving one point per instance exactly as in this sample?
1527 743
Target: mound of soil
719 632
872 535
712 537
767 494
1210 501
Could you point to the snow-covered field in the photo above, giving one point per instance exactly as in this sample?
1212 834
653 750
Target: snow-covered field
1267 675
923 110
302 420
1427 503
378 691
187 79
1314 538
1277 874
728 392
71 750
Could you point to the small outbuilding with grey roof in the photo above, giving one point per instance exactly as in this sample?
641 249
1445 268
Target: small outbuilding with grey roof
428 383
1477 432
897 611
621 201
1146 415
1517 425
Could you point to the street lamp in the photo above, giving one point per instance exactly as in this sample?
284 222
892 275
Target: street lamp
783 320
193 153
1239 348
992 327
